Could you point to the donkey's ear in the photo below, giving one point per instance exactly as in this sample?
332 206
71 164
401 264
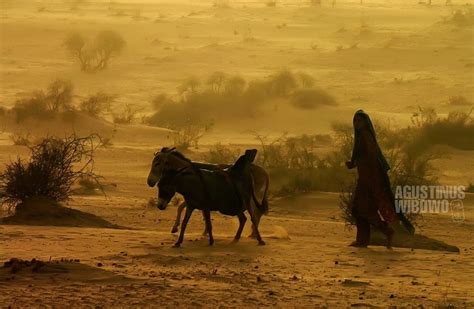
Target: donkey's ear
171 149
155 153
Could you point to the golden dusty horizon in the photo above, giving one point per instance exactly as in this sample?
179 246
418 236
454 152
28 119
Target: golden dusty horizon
306 125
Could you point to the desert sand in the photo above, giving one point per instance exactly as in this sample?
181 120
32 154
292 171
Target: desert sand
388 57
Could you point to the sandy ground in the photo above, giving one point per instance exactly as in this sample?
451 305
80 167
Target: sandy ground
402 56
307 261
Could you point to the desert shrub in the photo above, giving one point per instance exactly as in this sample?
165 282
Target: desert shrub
462 18
225 96
271 3
221 4
216 81
455 130
59 95
21 139
234 85
160 100
220 154
126 116
189 136
95 55
311 98
305 80
282 83
43 105
189 85
459 100
55 164
295 167
32 107
97 104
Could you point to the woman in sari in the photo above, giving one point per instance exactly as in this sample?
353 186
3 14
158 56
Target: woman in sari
373 202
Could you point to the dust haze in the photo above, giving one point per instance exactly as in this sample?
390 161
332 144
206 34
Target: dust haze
121 79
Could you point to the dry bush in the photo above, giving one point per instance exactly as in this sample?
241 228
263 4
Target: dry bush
311 98
271 3
216 81
225 96
96 105
282 83
189 136
95 55
294 167
189 85
221 4
456 130
59 95
55 164
34 107
220 154
159 101
459 100
21 139
462 18
44 105
126 116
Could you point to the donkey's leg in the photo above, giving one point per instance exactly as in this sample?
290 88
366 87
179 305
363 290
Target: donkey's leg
258 216
205 232
178 217
189 211
207 218
242 220
255 224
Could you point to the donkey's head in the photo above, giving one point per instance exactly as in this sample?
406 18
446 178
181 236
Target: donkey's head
168 159
166 191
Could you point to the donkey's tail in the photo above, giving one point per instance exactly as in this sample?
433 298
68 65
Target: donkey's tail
263 206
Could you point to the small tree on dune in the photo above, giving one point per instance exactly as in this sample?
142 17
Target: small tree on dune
59 95
54 166
216 81
95 55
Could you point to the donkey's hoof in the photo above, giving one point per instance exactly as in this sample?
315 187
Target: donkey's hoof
235 240
174 229
211 243
261 243
177 245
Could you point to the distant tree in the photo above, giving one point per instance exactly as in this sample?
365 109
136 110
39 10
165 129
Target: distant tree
216 81
97 104
126 116
235 85
160 100
59 95
95 56
107 45
283 83
191 84
305 80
